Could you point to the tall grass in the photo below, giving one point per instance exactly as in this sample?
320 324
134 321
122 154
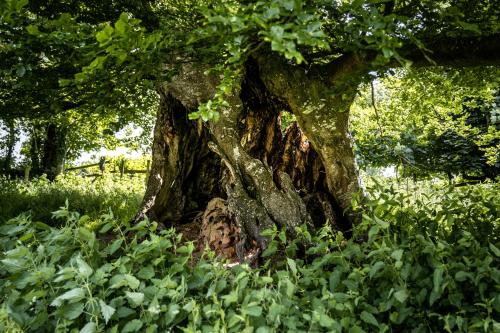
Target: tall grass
85 195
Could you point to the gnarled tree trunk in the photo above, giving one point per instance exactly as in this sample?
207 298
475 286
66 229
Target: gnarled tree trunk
320 98
306 176
184 173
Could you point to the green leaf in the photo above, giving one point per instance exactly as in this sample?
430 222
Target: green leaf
121 280
114 246
462 276
173 310
434 297
132 326
387 52
374 230
401 295
135 298
89 328
33 30
253 310
369 318
154 307
71 311
20 71
146 273
356 329
83 268
334 279
106 310
271 249
123 312
397 254
292 265
494 249
376 267
73 295
437 278
325 320
121 27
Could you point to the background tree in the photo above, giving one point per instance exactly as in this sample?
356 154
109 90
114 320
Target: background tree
42 44
429 122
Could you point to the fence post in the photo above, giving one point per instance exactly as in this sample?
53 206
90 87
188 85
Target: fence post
102 163
122 167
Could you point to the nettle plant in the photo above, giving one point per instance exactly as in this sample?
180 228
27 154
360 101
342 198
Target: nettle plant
427 262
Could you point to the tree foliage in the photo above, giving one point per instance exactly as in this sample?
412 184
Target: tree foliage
431 121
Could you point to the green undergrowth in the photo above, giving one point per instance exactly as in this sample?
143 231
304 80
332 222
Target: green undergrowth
419 262
86 195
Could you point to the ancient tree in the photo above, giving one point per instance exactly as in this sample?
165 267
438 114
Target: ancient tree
226 72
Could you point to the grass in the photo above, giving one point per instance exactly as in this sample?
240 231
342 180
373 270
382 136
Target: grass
86 196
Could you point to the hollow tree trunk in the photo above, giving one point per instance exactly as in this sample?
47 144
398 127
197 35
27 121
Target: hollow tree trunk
54 151
184 173
266 179
320 98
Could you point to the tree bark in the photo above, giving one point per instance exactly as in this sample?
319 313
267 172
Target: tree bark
320 98
54 151
11 141
35 151
184 173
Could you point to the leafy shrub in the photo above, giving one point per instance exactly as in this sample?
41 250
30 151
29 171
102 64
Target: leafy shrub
422 266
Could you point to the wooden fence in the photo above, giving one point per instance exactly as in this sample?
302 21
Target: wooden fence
122 169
